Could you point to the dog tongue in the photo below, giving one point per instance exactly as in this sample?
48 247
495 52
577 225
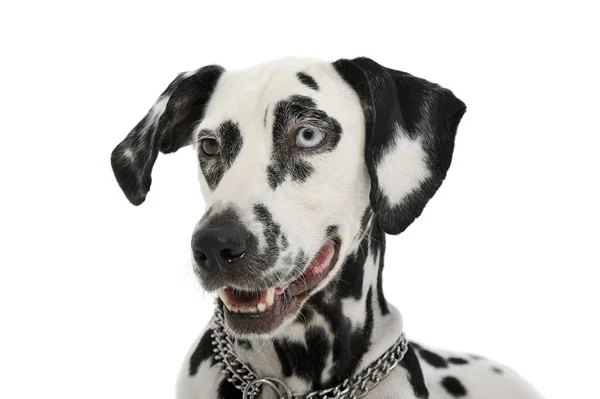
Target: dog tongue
241 298
320 261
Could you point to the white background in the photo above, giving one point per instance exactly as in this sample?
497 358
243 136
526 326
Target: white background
97 297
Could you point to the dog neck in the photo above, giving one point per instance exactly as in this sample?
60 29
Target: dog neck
340 330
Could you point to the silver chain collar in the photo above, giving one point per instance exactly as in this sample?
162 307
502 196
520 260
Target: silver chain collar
244 379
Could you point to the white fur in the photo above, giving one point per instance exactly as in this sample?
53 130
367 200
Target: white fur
403 168
157 110
128 153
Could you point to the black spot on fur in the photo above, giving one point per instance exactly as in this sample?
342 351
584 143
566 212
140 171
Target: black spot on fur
416 346
308 80
332 231
350 344
454 387
265 117
308 361
214 167
203 352
305 315
378 245
353 271
291 355
228 391
457 360
271 232
231 141
361 341
376 241
286 158
284 242
411 363
370 228
497 370
433 359
364 221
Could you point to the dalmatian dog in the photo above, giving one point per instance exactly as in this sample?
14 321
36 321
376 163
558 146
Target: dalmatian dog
305 165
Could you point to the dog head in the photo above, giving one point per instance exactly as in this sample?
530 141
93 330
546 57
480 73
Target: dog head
292 156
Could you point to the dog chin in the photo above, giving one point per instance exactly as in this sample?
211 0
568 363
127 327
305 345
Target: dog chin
263 312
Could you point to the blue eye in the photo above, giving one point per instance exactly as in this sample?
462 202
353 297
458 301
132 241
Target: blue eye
308 137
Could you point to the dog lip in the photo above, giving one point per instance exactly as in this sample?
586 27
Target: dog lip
288 300
247 299
319 267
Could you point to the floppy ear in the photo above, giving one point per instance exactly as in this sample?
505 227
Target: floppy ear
410 125
166 127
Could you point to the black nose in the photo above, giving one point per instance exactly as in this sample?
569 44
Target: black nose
220 247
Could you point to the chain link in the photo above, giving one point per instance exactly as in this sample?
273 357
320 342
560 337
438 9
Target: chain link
244 379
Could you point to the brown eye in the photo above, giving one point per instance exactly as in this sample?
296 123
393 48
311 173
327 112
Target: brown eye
210 146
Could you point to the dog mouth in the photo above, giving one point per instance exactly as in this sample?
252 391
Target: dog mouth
262 311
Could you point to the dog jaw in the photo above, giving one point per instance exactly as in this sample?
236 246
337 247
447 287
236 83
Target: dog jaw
264 311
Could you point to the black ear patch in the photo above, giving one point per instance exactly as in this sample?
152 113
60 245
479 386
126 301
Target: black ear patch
166 128
308 80
410 126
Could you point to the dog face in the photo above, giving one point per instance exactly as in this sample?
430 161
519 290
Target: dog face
293 156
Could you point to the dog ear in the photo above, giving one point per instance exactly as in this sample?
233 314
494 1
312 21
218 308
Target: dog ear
410 126
166 128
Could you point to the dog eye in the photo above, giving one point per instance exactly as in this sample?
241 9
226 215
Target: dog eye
209 146
308 138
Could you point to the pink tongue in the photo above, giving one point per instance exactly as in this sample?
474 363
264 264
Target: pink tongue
243 298
321 260
279 291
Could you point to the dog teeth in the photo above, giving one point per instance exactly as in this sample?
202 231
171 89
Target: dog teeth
223 297
270 297
261 307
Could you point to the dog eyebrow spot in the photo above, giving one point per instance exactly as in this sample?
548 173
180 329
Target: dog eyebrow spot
291 113
213 168
307 80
